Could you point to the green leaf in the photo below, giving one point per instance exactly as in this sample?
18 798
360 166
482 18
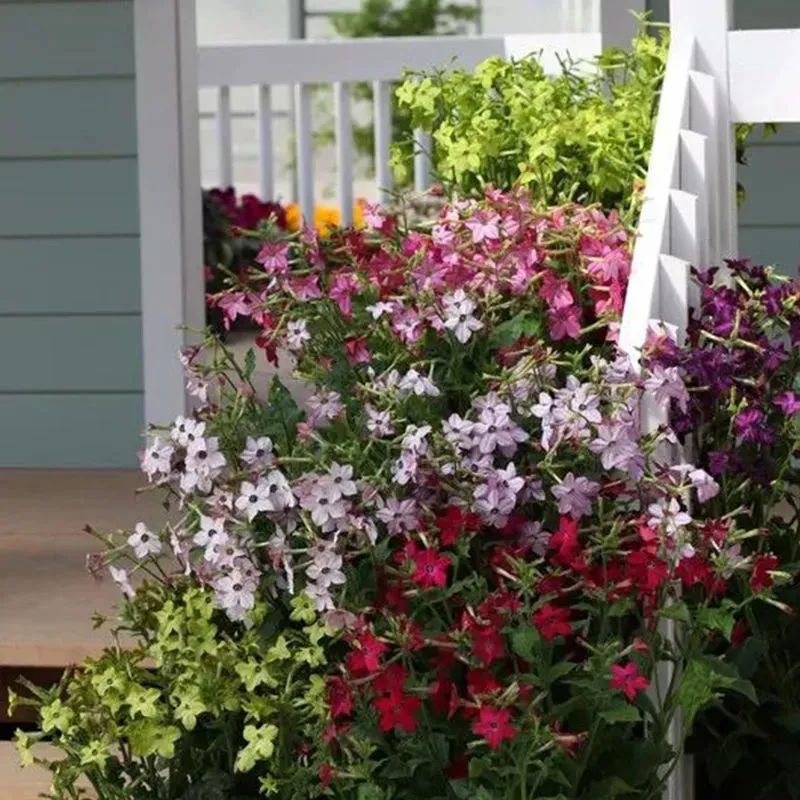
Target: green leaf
677 611
720 619
523 642
704 681
621 713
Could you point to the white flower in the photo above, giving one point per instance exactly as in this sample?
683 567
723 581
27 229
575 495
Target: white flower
120 577
269 494
203 455
321 597
258 452
399 515
379 423
324 501
342 476
574 495
198 388
533 536
157 458
458 316
144 542
209 528
323 407
379 309
185 430
705 485
297 334
235 594
414 383
667 384
669 514
325 570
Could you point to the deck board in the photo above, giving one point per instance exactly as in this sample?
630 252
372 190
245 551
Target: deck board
46 594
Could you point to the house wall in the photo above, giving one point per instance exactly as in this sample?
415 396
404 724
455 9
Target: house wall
70 321
769 218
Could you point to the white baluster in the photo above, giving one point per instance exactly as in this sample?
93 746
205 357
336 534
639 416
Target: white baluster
344 150
224 138
422 161
266 176
383 138
305 154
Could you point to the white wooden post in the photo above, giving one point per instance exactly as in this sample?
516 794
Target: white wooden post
170 213
382 105
224 137
344 150
618 23
266 182
305 150
709 22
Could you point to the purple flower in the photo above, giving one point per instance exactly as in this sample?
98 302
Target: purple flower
667 384
788 402
574 495
719 462
751 426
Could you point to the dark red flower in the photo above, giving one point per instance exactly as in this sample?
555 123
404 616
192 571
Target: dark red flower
487 644
430 568
740 633
391 682
366 658
397 712
326 774
444 697
481 682
458 768
339 697
764 564
552 621
453 522
494 725
628 680
564 542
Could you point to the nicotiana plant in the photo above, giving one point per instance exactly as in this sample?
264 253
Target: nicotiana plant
741 366
488 545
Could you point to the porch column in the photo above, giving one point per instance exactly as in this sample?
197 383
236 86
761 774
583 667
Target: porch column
170 208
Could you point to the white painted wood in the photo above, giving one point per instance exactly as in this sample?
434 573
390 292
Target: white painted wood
683 225
764 66
423 146
169 198
224 136
662 176
694 158
374 59
673 293
618 24
703 115
305 154
344 150
709 22
382 110
266 177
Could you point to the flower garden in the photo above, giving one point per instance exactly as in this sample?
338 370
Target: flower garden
464 567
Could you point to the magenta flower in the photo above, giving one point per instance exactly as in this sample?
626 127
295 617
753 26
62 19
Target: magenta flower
564 323
273 257
343 287
788 402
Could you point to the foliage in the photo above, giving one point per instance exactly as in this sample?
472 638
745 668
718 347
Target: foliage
195 708
411 18
583 135
741 365
377 18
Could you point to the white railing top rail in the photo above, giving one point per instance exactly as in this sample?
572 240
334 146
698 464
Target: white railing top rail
376 59
653 233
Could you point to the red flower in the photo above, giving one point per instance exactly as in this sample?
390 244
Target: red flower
453 523
568 551
339 697
444 697
397 712
628 680
391 682
761 579
552 621
487 644
430 568
693 571
326 774
740 633
459 768
493 724
481 682
367 657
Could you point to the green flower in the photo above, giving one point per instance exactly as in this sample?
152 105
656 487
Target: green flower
260 746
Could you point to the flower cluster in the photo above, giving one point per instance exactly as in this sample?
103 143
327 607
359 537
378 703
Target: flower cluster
468 501
740 365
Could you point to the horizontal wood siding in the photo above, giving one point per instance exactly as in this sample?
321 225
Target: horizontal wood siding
71 430
70 311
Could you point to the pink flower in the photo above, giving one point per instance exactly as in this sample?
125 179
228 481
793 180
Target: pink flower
564 322
234 304
272 256
343 287
407 325
483 226
556 292
357 350
305 288
373 218
494 725
628 680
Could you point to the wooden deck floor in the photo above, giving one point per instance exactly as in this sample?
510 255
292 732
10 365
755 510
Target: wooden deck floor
46 595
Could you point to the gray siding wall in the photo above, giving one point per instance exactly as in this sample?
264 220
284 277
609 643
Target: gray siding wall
769 219
70 321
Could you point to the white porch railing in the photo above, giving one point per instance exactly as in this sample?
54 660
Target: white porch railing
381 62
